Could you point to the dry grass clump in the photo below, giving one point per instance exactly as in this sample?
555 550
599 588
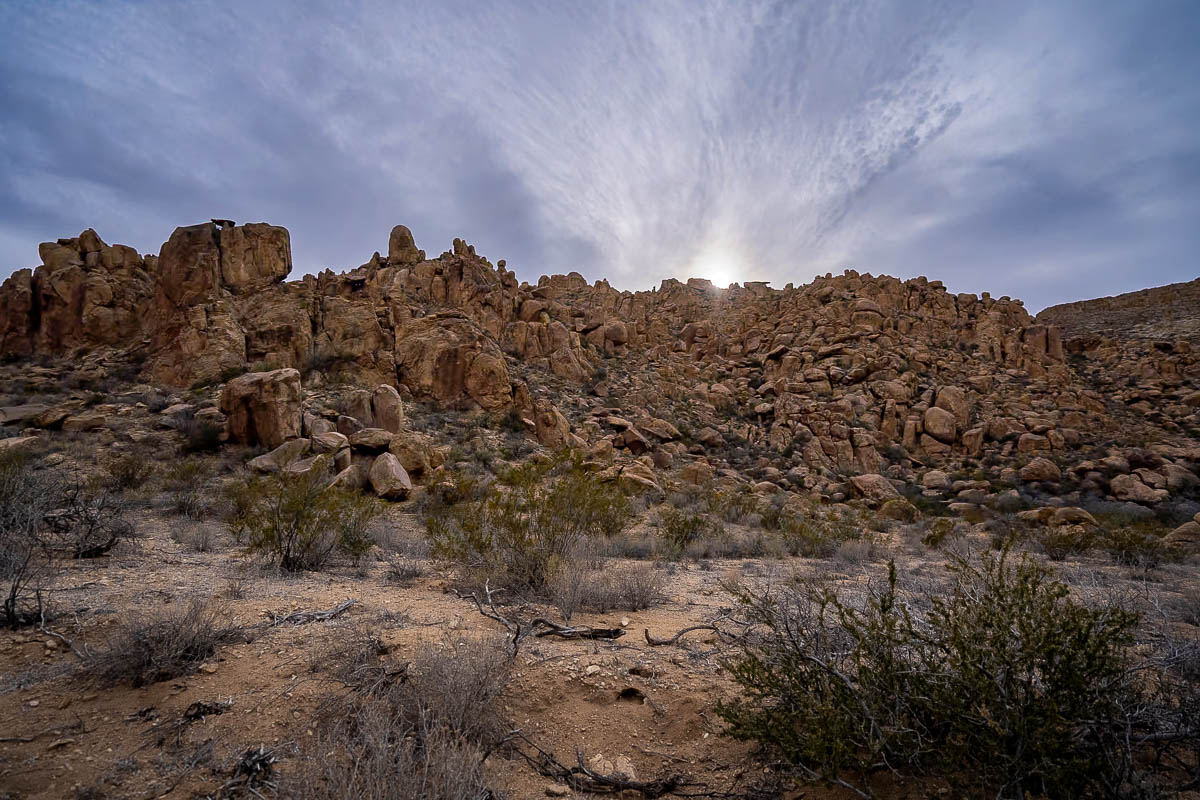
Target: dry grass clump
631 588
417 730
142 651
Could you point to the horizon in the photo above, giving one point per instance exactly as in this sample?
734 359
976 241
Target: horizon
1039 152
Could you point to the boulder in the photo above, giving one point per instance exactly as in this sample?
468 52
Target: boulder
1072 515
372 440
329 442
1186 536
415 451
402 249
280 457
388 477
940 424
552 429
874 487
1040 469
387 408
935 479
1130 487
450 359
263 407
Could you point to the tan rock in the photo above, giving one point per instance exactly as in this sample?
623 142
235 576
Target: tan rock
940 424
1130 487
388 409
371 439
280 457
552 429
402 249
874 487
1040 469
263 407
388 477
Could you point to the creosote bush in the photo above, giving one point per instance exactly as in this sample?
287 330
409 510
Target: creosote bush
1005 686
297 522
127 472
143 651
526 526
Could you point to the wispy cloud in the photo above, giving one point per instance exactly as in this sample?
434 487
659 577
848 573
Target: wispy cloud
1040 150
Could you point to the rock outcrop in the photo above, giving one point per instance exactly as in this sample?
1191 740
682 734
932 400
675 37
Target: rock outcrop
851 386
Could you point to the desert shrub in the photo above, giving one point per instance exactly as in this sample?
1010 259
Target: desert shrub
86 522
126 472
1061 542
1005 686
679 529
184 482
142 651
26 569
404 571
419 731
298 523
199 435
526 527
1136 545
733 506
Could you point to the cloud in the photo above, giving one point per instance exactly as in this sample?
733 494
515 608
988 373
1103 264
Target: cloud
1044 151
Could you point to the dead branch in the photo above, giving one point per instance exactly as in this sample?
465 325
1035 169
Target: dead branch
582 779
303 617
574 632
656 642
517 629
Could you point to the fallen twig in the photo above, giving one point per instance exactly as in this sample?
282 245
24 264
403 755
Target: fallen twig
302 617
574 632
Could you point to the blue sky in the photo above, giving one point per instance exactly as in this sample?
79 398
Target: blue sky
1043 150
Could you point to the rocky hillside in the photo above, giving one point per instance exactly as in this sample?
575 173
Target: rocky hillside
852 386
1164 313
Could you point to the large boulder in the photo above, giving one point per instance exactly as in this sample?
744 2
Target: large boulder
1040 469
402 250
388 477
200 259
449 358
874 488
263 407
553 430
1130 487
387 408
940 424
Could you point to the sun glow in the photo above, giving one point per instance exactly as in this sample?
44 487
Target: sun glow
719 266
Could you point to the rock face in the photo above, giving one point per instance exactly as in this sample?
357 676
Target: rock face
841 389
263 407
448 358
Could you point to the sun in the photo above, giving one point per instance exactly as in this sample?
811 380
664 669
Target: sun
719 266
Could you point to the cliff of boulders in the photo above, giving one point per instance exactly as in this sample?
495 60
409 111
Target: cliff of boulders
851 386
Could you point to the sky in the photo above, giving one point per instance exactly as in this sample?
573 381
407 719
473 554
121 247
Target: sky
1038 149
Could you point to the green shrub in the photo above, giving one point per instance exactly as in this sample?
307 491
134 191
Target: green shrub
1064 541
297 522
1005 686
126 472
679 529
1137 545
525 528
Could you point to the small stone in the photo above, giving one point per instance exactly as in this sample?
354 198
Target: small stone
592 670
